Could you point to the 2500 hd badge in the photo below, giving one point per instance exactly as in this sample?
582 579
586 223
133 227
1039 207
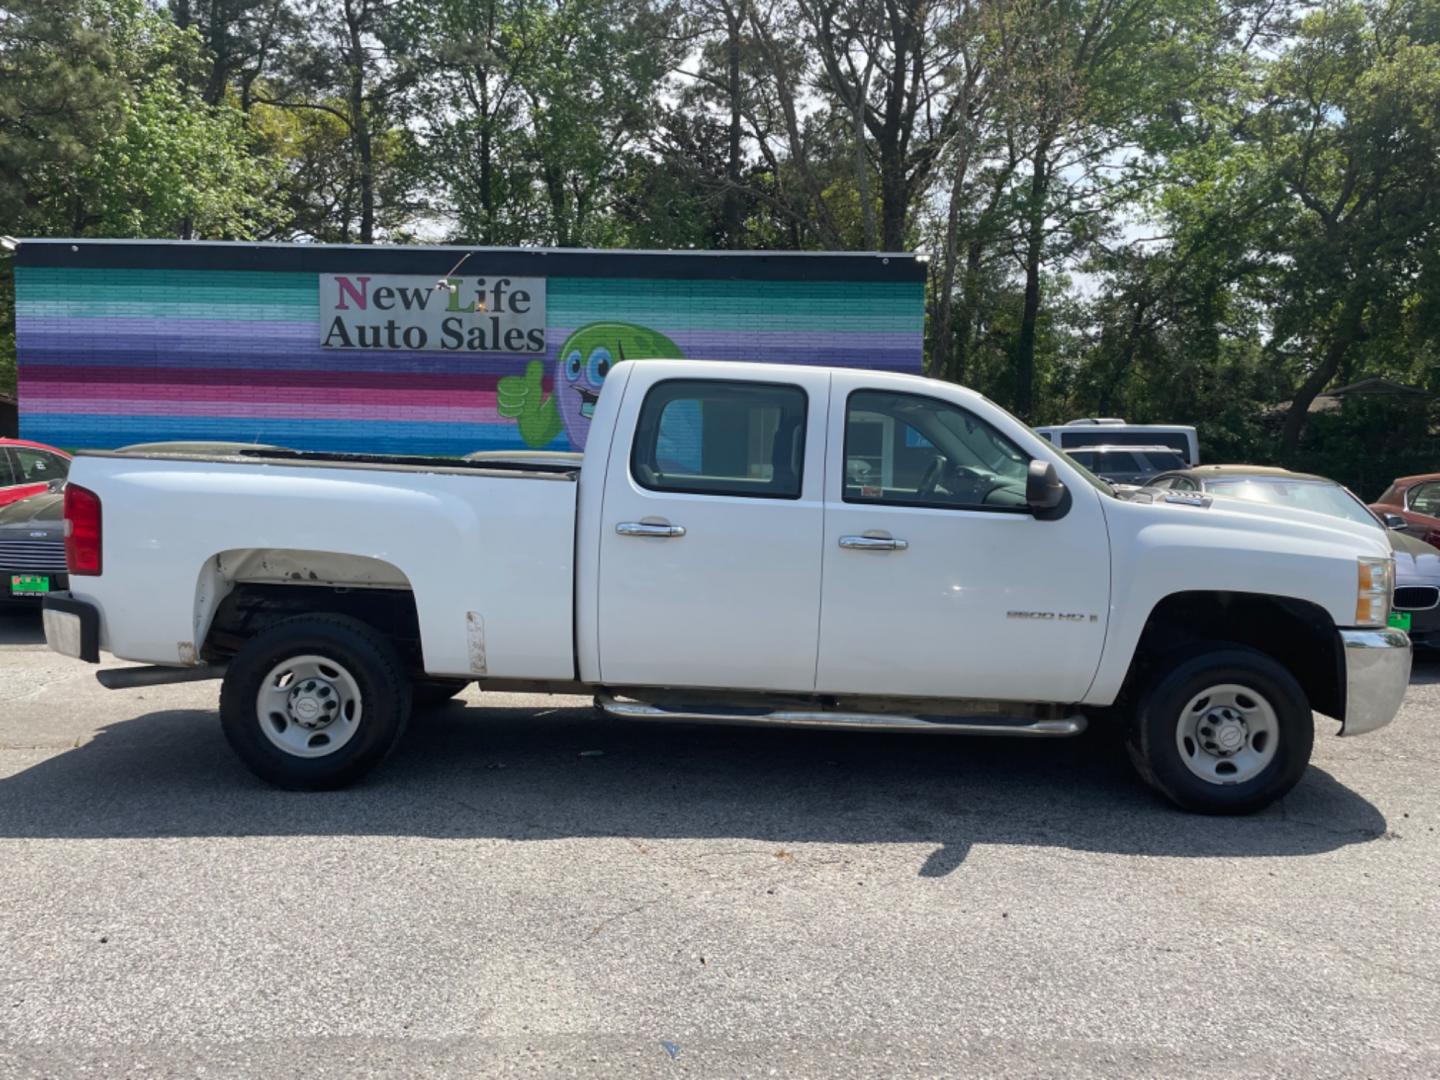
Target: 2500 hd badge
1055 616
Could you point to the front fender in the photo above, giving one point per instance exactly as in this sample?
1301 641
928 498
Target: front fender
1158 549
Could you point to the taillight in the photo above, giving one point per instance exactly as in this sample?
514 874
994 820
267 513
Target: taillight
82 530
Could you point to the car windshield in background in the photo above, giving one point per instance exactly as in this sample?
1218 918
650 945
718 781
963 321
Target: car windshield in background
1157 461
1108 461
1319 496
1098 484
1105 435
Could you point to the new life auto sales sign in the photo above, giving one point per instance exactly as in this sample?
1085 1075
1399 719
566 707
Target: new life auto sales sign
458 314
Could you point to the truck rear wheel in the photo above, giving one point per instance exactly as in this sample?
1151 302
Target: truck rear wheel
315 702
1225 731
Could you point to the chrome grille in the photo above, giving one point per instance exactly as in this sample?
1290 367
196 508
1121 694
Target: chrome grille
32 555
1416 597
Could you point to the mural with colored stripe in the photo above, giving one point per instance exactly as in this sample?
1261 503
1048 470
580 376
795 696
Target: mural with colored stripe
114 355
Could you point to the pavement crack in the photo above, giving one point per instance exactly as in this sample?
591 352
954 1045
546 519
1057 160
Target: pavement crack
604 923
1330 829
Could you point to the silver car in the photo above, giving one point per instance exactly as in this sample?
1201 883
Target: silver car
1416 608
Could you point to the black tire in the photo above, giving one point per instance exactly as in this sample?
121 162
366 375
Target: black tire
1156 748
376 671
432 693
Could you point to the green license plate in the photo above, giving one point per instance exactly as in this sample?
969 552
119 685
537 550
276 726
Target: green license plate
1400 620
29 583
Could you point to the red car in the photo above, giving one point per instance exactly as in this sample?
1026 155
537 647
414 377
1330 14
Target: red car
1416 499
28 468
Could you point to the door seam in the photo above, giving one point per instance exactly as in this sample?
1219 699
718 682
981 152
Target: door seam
824 528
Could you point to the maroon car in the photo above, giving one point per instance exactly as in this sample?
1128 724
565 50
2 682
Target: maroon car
1416 500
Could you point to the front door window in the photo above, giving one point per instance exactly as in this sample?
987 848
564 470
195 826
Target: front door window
911 450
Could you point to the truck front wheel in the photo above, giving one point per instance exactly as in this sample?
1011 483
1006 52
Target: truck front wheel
1226 730
315 702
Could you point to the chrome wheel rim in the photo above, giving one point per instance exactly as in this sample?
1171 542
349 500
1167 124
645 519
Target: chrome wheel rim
1227 734
308 706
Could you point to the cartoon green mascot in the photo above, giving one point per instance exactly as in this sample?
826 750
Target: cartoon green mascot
584 361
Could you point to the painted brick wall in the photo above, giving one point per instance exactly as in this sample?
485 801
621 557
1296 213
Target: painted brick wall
115 356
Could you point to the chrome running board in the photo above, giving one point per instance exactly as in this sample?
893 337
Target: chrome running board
840 721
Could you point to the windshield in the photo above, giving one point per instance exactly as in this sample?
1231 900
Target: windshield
1320 496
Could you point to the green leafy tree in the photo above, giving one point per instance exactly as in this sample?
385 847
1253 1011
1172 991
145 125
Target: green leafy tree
105 131
537 112
355 62
61 91
1315 203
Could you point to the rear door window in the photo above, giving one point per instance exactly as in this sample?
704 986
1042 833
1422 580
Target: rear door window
709 437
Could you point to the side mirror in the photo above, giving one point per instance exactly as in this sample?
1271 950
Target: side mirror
1044 492
1394 521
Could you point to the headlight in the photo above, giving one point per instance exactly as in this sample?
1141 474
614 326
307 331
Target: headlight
1375 589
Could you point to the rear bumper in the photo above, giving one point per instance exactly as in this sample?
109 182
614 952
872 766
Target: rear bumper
1377 673
72 627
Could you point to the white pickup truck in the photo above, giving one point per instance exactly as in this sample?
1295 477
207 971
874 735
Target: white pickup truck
741 543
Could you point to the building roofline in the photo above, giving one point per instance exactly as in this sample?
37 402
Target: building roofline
874 266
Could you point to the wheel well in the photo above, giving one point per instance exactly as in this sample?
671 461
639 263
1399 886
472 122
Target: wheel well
1297 634
252 607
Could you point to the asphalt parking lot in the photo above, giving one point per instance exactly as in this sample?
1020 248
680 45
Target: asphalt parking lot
528 889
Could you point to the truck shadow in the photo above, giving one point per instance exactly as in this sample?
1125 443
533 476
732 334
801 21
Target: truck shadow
536 774
20 624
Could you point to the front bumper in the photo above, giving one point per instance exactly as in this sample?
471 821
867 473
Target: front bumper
72 627
1377 673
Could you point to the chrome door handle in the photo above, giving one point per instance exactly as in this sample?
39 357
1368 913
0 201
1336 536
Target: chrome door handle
873 543
645 528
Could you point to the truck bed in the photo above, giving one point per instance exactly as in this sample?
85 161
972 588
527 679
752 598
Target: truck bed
486 547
